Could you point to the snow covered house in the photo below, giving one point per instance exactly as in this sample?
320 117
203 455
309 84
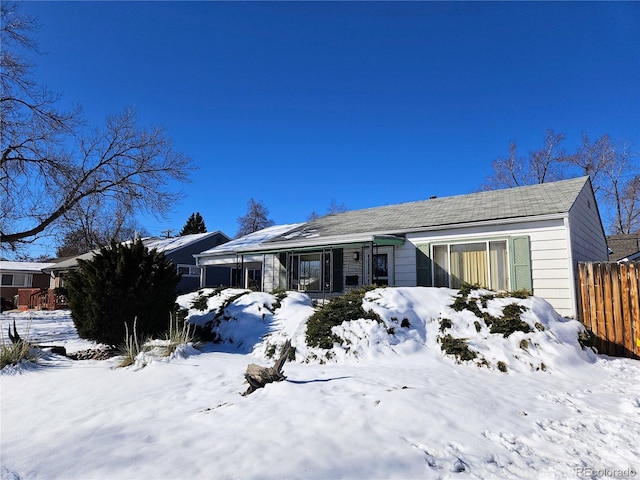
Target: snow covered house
179 250
528 237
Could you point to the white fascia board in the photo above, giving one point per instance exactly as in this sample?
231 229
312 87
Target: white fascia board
208 260
501 221
320 241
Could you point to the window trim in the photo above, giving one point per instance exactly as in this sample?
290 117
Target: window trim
27 283
486 241
194 270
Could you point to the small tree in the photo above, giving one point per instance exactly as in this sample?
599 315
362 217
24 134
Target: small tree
195 224
122 283
255 219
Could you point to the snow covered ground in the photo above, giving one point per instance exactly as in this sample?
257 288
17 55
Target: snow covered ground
387 404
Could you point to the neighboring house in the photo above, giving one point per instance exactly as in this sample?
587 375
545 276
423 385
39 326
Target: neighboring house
179 250
19 276
520 238
625 248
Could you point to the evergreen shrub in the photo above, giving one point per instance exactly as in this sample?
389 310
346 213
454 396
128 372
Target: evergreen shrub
339 309
121 283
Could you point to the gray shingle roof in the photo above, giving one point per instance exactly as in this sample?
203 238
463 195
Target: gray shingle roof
534 200
623 246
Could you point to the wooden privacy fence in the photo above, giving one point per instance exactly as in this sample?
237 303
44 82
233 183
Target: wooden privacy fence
610 305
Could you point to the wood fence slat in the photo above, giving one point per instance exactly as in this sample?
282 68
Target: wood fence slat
625 300
610 305
634 285
617 309
598 290
592 299
607 302
584 295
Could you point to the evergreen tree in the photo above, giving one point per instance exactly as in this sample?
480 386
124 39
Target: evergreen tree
195 224
122 283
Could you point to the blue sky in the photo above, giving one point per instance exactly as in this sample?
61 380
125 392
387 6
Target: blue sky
297 104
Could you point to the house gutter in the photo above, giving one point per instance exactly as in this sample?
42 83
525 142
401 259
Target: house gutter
335 242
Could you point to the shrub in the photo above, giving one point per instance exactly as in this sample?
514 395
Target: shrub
12 353
131 347
457 347
200 302
121 283
445 323
180 333
339 309
280 295
510 321
587 339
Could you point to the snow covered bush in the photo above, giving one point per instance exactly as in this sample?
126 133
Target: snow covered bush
346 307
121 283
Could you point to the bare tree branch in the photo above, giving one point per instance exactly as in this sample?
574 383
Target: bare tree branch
52 168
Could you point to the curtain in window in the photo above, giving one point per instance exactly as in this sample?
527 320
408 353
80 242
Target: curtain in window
469 265
499 262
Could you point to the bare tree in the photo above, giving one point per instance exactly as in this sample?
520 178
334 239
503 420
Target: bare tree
51 164
333 208
538 167
256 218
614 174
92 227
628 215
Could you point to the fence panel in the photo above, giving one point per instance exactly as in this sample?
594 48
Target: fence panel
610 305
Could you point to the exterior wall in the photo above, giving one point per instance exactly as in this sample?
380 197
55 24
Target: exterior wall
353 268
587 237
38 280
271 273
550 256
588 240
184 256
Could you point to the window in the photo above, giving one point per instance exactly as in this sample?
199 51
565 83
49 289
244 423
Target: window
380 269
16 279
483 263
254 278
189 270
309 277
310 272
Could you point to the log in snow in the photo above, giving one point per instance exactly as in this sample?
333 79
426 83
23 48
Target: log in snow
257 376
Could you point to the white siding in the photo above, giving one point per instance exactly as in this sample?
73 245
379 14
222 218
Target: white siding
550 256
588 240
270 273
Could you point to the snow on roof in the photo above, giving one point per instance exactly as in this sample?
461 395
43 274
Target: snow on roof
35 267
170 244
253 239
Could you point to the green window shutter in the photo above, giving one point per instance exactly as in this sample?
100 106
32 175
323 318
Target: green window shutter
282 271
520 256
338 284
423 266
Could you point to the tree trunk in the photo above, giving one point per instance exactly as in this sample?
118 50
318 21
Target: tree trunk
257 376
